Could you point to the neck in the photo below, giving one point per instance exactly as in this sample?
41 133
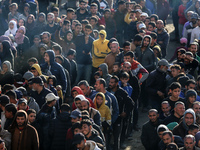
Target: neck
82 11
159 30
51 24
173 98
89 134
114 89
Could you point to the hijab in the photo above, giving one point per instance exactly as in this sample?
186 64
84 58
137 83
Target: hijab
12 31
38 23
30 26
19 38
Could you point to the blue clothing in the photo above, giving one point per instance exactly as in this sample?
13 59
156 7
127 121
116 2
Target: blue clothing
56 70
127 88
182 95
150 6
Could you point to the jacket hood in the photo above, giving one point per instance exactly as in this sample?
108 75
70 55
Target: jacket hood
190 93
8 64
37 67
95 101
162 127
51 56
19 113
149 37
104 68
6 46
81 97
78 89
105 35
189 111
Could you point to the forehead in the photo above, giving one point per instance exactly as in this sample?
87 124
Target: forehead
152 113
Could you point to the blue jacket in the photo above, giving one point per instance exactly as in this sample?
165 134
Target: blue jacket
127 88
56 70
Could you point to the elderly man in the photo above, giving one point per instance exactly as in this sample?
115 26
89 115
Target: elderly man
189 143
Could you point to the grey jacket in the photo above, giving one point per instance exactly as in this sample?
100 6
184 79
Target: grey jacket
106 75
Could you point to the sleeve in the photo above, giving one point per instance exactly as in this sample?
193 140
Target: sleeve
58 39
35 140
192 36
7 138
115 111
180 11
108 116
152 61
126 19
145 138
136 88
149 85
97 118
64 80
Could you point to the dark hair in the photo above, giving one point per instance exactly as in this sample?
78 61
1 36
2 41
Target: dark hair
94 4
57 48
54 80
11 94
154 16
32 59
88 26
192 127
76 125
98 94
130 53
174 86
70 10
65 107
127 43
60 58
168 132
102 81
106 10
11 108
115 78
137 37
190 81
96 73
94 18
153 35
55 9
31 111
7 87
175 66
117 63
85 22
78 24
83 82
153 24
125 75
86 121
137 5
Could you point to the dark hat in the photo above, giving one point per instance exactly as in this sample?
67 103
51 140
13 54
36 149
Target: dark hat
22 100
78 138
75 114
37 80
4 99
172 146
190 93
163 62
28 75
22 90
194 16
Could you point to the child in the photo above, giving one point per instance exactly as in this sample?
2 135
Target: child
190 98
12 28
175 89
116 69
165 110
124 83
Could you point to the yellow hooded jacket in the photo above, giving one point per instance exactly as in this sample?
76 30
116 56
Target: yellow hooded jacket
103 109
100 50
37 67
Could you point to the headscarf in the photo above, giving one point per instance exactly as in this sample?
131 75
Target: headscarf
65 37
38 23
19 38
30 26
12 31
8 64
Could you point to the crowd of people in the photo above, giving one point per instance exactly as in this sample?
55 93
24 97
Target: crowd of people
75 80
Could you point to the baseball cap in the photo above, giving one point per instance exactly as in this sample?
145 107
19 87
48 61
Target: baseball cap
22 90
28 75
144 14
50 97
142 25
194 16
22 100
78 138
37 80
138 10
75 114
163 62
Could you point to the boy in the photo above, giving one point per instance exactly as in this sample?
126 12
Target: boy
151 26
22 104
175 90
165 110
124 83
116 69
10 111
175 72
94 22
31 115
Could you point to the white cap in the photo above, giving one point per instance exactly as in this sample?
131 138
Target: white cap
80 96
144 14
142 25
50 97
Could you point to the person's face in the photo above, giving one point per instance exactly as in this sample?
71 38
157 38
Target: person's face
81 145
196 108
45 38
2 146
126 68
128 59
153 116
189 119
190 86
74 94
126 49
124 80
82 5
78 29
20 121
42 50
197 4
50 19
167 139
22 106
77 130
142 18
193 49
41 19
93 22
30 20
36 41
142 3
114 48
31 117
107 14
86 129
71 15
34 86
14 8
56 51
155 53
159 25
56 14
150 28
78 104
112 84
69 36
146 42
184 2
189 143
179 110
8 114
84 105
176 92
21 23
160 134
146 22
20 31
101 36
93 9
26 9
11 25
189 16
100 71
84 89
50 81
99 100
165 108
138 43
192 99
115 68
73 25
193 132
74 120
97 86
174 72
46 57
70 57
5 68
87 31
58 60
179 55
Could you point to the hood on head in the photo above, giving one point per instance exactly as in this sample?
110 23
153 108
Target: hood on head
78 89
197 137
37 67
14 124
146 36
23 29
104 33
95 101
162 127
51 55
189 111
8 64
104 68
6 45
189 93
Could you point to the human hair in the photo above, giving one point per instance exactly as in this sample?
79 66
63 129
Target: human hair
174 86
189 136
84 22
106 10
88 26
70 10
99 94
193 127
189 53
165 102
76 125
190 81
55 9
137 5
154 16
7 87
29 111
45 32
21 113
198 77
11 108
137 37
153 35
125 75
194 43
57 48
196 103
11 94
83 82
126 43
129 53
115 78
116 63
33 59
153 24
127 63
65 107
86 121
76 21
52 14
94 5
153 110
169 133
14 4
177 103
175 66
94 18
60 58
102 81
54 80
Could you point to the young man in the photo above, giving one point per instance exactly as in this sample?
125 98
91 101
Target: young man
82 12
70 14
10 111
51 26
175 72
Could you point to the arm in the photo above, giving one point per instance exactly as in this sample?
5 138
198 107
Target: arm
35 140
192 36
127 18
64 80
58 39
152 62
145 138
149 85
108 116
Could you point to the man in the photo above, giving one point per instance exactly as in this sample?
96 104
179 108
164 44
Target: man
85 87
195 28
144 8
10 111
46 39
111 58
51 25
83 49
103 72
179 110
66 26
81 143
34 48
53 68
70 14
149 136
145 55
189 143
162 37
59 127
194 48
4 100
24 136
156 84
45 116
189 118
40 91
82 12
137 41
126 106
94 114
22 104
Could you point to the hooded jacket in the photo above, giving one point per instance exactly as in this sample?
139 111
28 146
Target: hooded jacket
25 139
182 129
8 77
56 70
103 109
93 145
106 75
37 67
100 50
147 57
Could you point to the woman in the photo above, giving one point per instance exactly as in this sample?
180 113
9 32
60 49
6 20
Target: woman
6 74
30 25
40 23
21 22
12 28
6 52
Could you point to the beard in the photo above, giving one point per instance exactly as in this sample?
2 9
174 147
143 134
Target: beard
21 124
